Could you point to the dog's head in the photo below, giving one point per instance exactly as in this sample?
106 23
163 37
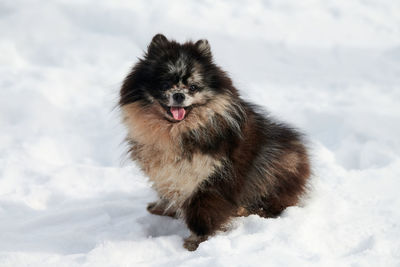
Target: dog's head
175 78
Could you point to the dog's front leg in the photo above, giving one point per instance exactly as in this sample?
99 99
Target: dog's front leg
205 213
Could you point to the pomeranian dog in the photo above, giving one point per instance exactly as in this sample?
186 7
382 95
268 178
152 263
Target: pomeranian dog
209 154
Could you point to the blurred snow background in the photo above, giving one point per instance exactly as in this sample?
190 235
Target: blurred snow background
332 68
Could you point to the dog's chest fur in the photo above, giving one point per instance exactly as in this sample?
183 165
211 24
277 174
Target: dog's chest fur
157 149
175 177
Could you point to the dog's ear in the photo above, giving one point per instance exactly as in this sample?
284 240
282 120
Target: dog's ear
158 41
204 47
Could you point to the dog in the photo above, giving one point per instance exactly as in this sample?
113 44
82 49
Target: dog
209 154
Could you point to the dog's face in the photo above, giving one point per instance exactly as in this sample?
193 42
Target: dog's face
175 77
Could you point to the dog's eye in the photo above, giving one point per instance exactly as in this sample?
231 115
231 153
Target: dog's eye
193 87
165 86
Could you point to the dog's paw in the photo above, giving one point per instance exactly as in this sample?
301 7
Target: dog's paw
151 207
160 208
191 245
156 208
192 242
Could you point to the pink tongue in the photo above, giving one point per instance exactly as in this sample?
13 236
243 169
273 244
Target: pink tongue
178 113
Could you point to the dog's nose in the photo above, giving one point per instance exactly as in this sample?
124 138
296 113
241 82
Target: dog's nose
178 97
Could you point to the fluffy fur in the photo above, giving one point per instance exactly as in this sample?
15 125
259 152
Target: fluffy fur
223 158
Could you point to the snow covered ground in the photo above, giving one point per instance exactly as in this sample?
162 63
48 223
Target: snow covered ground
332 68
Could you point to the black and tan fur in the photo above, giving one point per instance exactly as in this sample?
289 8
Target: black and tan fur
224 159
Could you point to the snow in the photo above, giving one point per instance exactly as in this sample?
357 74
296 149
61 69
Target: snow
70 197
